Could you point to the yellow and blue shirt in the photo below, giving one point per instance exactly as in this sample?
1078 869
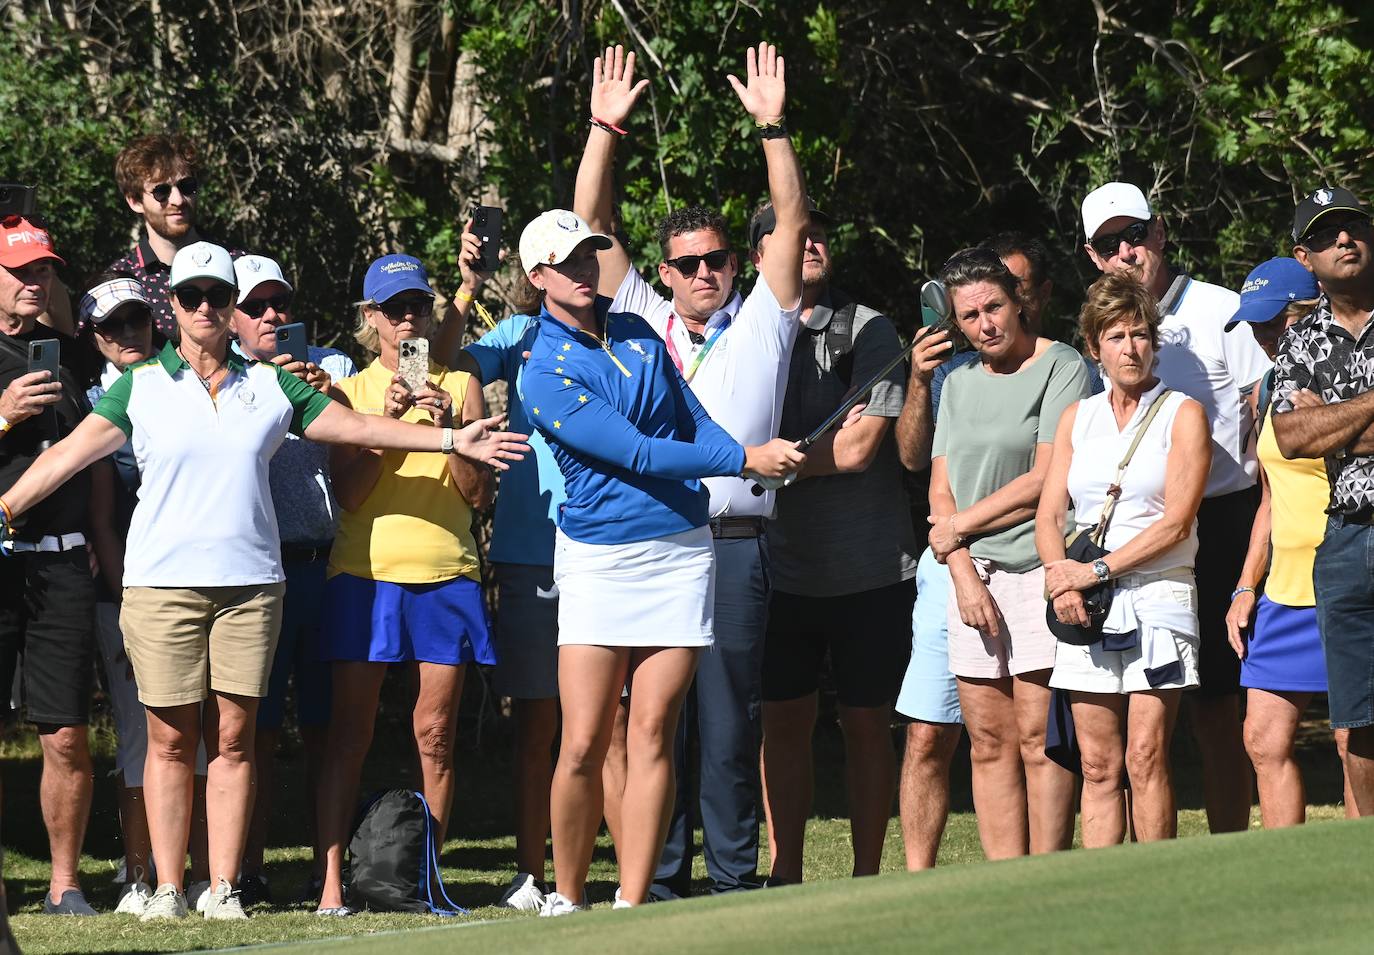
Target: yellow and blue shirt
628 435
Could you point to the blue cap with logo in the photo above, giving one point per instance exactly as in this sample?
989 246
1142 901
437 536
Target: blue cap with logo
391 275
1270 288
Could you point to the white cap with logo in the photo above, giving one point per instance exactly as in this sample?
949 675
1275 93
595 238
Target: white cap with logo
1112 200
552 236
252 270
202 260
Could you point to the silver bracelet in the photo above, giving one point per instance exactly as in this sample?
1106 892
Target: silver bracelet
447 445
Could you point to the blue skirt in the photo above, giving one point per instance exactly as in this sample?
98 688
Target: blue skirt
375 621
1285 652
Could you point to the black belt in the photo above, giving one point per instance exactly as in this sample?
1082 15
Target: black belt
305 553
733 528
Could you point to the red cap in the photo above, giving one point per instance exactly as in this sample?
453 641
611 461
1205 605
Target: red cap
22 242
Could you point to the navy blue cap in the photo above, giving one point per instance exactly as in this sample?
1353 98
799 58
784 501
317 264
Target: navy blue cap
391 275
1270 287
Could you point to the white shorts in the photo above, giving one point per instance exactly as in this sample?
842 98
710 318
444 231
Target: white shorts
1091 669
654 593
1023 643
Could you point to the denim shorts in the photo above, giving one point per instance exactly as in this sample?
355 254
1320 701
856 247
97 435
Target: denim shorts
930 692
1343 577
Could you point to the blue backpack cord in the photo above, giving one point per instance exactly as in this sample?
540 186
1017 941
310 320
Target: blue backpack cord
432 859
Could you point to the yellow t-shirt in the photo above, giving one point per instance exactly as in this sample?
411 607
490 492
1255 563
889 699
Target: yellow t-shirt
1298 496
415 527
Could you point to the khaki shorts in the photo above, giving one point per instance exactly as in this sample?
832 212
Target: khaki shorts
1023 643
183 639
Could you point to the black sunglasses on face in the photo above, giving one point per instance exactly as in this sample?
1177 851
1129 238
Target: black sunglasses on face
1323 239
187 186
688 264
119 327
1108 245
190 297
397 309
257 307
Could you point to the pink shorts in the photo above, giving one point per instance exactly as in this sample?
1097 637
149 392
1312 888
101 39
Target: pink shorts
1023 643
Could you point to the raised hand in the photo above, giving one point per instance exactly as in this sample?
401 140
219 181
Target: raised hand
468 256
764 95
614 90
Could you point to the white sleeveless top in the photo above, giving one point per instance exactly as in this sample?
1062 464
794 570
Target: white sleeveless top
1098 448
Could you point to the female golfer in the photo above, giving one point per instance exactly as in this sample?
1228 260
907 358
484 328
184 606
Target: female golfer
633 557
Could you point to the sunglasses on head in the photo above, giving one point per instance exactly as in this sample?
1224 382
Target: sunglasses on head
257 307
1109 245
219 295
1325 238
398 308
688 264
187 186
137 321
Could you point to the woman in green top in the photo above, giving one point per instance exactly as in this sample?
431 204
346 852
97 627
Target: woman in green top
989 459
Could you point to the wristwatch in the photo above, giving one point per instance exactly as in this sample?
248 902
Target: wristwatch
4 424
447 445
1103 572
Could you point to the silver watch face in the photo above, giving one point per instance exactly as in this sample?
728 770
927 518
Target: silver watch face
1101 569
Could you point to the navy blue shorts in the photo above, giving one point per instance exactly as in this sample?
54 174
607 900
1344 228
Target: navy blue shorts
375 621
1343 577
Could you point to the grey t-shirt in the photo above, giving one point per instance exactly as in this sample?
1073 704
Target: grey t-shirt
988 429
842 533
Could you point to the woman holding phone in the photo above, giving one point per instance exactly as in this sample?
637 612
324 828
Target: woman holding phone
633 558
405 582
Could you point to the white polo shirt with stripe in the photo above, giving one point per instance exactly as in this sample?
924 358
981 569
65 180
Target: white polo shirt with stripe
204 516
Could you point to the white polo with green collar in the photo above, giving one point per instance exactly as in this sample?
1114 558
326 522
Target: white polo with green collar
204 516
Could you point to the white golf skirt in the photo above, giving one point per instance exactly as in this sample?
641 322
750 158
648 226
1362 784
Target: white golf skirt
654 593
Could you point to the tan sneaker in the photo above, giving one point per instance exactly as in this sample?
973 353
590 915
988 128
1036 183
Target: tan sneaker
224 902
166 903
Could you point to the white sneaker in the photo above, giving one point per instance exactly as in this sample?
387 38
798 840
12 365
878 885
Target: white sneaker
198 896
134 899
523 894
166 903
224 903
556 905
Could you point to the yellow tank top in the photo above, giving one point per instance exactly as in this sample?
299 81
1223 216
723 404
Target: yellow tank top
1298 496
415 527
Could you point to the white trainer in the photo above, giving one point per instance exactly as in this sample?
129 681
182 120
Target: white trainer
556 905
198 895
133 900
166 903
224 902
523 894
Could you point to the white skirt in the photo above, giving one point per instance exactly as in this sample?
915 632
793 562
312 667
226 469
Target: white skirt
654 593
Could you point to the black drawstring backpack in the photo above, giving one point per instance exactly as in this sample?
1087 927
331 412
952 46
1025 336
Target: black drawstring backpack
393 858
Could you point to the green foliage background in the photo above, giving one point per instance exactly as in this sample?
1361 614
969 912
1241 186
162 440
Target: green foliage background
922 126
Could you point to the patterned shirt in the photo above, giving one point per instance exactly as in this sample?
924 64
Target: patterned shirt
1319 355
143 264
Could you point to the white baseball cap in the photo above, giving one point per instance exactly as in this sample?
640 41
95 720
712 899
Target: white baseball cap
202 260
552 236
252 270
1112 200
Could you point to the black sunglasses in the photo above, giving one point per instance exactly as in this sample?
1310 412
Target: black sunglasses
688 264
398 308
219 295
119 327
1108 245
257 307
187 186
1323 239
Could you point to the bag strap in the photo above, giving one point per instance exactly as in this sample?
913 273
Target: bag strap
431 862
1114 491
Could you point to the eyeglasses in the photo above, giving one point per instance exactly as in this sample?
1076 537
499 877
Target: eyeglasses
113 328
1323 239
187 186
397 309
219 295
688 264
257 307
1109 245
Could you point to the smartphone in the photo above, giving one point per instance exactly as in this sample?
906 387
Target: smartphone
16 200
486 225
291 341
45 355
414 363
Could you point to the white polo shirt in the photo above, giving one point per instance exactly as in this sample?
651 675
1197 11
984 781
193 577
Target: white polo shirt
1198 357
204 516
740 381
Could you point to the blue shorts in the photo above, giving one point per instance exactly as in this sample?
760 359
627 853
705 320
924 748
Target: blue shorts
375 621
1285 652
930 692
526 631
1343 577
294 661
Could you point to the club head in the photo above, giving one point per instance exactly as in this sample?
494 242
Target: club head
935 297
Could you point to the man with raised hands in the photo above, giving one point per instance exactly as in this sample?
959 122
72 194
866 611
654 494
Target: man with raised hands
733 352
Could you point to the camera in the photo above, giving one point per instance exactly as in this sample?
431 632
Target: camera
16 200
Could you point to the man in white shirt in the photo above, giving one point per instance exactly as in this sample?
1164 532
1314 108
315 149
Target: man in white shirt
733 352
1198 358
